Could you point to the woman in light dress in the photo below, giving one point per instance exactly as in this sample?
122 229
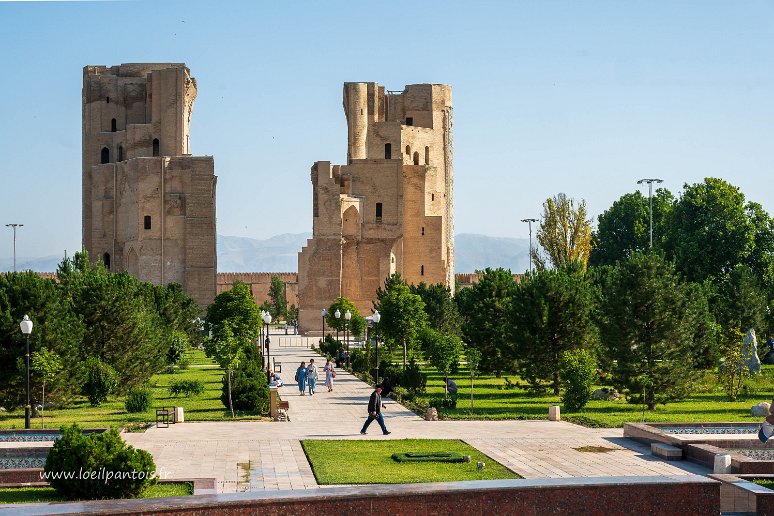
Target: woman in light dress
330 374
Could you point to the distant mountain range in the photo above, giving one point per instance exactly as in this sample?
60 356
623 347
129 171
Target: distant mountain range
280 254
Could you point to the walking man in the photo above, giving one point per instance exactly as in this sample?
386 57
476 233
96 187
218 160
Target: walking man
311 376
375 411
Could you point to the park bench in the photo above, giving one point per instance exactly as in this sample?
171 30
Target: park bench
164 417
282 410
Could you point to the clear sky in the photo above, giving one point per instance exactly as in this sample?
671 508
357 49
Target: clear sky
549 96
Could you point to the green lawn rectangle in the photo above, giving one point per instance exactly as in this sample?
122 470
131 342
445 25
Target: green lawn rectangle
49 494
370 462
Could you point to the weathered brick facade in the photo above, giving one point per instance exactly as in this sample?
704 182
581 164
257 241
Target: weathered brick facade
148 205
390 208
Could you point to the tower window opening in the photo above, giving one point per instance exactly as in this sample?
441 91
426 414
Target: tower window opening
147 222
387 151
378 212
408 150
113 125
105 155
106 260
421 270
427 155
423 231
432 196
120 153
416 158
409 120
107 100
155 146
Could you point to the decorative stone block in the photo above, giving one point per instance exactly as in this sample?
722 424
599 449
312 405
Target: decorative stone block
553 413
179 415
666 451
431 414
760 410
722 463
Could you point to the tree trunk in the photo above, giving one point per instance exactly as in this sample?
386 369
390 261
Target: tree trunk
556 383
230 403
43 407
471 391
404 353
446 385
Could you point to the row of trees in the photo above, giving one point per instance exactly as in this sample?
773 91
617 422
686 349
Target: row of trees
86 315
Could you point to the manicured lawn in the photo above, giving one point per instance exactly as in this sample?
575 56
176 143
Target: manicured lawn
764 482
491 401
370 462
49 494
204 407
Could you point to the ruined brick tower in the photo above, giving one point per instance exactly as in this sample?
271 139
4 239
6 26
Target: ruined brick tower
148 205
390 208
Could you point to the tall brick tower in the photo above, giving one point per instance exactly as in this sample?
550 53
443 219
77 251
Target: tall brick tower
148 205
390 208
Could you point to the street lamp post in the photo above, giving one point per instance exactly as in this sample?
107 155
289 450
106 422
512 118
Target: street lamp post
14 226
267 321
337 315
347 317
26 328
322 313
530 221
376 318
650 201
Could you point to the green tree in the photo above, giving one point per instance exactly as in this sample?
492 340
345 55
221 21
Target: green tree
403 316
647 324
278 306
56 327
710 231
442 312
227 349
443 351
550 313
741 302
46 365
624 228
732 372
578 368
484 308
564 233
236 308
356 324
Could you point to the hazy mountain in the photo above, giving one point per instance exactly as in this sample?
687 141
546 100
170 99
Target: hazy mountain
280 254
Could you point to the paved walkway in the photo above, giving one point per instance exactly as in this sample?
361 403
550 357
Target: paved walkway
253 456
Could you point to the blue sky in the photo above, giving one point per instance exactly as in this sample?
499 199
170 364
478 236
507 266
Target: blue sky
549 96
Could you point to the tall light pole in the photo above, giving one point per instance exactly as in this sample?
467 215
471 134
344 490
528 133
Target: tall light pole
322 313
530 221
14 226
267 321
26 328
650 201
347 317
376 318
337 315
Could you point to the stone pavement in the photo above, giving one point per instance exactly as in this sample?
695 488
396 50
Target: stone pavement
254 456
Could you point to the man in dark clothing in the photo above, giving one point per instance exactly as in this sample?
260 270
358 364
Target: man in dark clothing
375 411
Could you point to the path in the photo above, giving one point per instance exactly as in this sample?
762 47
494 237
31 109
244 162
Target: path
251 455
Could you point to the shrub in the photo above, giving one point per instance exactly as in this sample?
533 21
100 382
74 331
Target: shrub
178 345
413 378
577 370
391 374
359 361
444 403
186 388
732 371
97 453
139 400
100 381
330 347
249 392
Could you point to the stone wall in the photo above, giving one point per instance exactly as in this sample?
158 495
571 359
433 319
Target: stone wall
259 283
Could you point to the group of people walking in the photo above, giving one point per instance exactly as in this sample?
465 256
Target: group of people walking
306 376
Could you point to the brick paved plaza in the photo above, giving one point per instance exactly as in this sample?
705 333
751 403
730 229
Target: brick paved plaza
268 456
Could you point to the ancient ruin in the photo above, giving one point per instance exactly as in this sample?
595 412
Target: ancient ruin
390 208
148 205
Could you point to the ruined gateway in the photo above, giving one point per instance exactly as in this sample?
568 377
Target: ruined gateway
390 208
148 205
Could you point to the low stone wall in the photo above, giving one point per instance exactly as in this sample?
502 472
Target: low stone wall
21 476
738 494
691 494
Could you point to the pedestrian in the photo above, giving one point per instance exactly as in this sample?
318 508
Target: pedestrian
311 376
375 411
767 427
330 374
301 378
